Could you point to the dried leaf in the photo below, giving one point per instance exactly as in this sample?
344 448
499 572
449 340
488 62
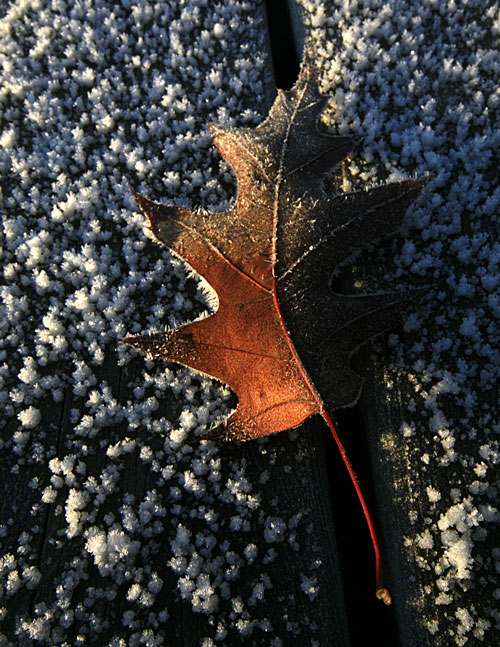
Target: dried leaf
280 338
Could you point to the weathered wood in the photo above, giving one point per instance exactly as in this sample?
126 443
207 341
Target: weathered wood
430 403
109 524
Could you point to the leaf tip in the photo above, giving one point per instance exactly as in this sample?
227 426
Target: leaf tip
149 345
144 204
155 212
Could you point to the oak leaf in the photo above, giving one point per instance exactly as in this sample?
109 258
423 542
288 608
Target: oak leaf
280 337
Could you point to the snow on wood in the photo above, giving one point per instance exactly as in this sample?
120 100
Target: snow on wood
112 526
420 81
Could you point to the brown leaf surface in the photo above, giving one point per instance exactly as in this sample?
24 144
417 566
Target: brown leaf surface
280 338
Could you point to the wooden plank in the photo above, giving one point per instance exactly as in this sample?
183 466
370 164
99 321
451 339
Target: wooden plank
114 530
414 81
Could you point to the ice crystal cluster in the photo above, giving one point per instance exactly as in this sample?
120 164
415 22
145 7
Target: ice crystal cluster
420 80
